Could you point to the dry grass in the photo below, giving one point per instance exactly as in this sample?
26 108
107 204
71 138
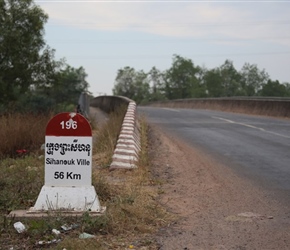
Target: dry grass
21 131
106 136
130 196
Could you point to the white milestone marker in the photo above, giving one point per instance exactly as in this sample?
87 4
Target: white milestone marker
68 167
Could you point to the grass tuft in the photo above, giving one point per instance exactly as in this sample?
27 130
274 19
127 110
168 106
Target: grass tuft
20 181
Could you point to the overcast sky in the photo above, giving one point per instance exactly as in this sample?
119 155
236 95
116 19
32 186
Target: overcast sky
105 36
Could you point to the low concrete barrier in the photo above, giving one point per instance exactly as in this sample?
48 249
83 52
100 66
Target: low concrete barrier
128 146
126 153
109 103
279 107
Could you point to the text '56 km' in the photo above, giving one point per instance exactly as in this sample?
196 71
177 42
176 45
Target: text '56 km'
67 175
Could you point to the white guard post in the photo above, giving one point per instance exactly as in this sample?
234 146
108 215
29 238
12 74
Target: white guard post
68 167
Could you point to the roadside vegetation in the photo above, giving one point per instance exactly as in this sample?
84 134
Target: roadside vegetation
184 80
22 133
31 79
129 195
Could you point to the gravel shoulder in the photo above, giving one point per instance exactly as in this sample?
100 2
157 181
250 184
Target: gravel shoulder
216 208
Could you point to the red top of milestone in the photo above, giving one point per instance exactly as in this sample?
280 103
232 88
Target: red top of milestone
68 124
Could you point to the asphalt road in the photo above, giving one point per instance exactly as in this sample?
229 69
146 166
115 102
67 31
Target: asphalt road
256 147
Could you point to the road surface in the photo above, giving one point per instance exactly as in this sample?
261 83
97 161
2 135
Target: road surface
256 147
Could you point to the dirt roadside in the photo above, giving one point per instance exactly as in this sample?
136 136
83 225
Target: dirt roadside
217 209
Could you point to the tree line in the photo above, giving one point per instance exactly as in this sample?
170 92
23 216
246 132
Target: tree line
184 79
31 79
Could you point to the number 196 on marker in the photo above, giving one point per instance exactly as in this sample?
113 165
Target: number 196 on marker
70 124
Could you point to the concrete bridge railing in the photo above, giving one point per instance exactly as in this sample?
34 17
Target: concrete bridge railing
126 153
279 107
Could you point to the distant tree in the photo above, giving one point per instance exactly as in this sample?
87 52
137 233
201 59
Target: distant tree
214 83
69 84
142 88
287 86
35 102
156 82
24 60
231 79
273 88
186 80
252 79
132 84
202 70
60 95
181 79
124 82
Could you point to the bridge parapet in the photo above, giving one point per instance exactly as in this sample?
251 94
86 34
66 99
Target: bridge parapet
278 107
126 153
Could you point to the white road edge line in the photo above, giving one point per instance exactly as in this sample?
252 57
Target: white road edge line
175 110
250 126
